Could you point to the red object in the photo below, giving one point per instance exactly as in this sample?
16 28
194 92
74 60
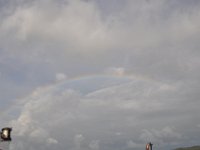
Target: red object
149 146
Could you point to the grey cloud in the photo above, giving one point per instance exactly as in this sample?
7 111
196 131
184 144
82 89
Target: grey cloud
157 41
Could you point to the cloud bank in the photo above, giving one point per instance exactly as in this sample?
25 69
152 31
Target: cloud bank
117 116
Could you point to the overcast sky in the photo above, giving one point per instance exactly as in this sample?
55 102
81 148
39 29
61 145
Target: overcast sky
100 74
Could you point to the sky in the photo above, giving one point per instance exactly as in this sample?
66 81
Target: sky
100 74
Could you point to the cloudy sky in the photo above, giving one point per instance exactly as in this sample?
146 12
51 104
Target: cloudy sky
100 74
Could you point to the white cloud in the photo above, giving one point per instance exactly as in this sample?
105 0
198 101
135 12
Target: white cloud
150 38
60 77
163 136
94 145
74 120
68 26
77 25
52 141
117 71
78 140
